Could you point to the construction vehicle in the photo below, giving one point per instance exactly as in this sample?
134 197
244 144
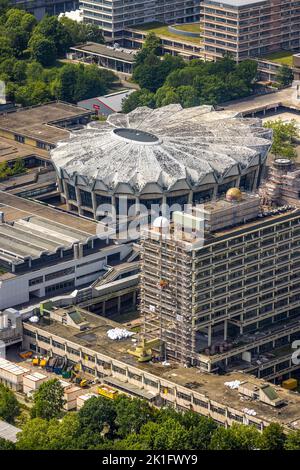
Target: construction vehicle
25 354
50 364
35 361
107 392
43 362
67 372
60 365
143 351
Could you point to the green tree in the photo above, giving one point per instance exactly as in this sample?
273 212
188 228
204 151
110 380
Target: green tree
138 98
48 400
237 437
52 29
247 71
166 95
273 437
33 70
32 94
292 441
285 75
168 435
200 430
18 167
188 96
9 405
14 18
82 32
19 40
42 49
97 413
151 46
33 435
64 434
131 415
6 50
148 74
284 135
6 445
28 22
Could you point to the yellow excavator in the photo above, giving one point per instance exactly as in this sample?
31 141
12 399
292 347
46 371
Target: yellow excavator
143 351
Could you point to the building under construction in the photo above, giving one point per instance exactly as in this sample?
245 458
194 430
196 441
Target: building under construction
283 183
221 287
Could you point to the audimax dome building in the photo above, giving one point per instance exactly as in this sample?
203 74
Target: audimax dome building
167 155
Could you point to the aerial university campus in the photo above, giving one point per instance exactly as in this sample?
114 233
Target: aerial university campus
149 227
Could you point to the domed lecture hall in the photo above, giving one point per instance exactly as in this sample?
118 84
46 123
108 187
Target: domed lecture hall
153 156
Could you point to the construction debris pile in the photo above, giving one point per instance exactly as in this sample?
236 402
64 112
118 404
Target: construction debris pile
119 333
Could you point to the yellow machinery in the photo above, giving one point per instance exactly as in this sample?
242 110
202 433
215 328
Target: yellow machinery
43 362
143 352
108 392
35 361
39 361
290 384
25 354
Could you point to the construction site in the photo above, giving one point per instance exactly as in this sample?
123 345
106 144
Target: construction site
224 295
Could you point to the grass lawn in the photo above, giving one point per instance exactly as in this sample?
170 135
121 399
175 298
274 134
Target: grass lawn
281 57
2 270
162 30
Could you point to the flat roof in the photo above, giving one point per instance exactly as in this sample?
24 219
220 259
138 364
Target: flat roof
11 150
11 367
111 52
253 104
210 386
8 432
15 208
38 122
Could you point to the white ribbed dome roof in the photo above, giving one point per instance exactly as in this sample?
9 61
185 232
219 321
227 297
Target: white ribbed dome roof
163 147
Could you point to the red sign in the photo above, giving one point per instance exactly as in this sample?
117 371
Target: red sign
96 106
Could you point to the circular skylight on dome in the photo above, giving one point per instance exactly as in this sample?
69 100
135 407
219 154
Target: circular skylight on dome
136 135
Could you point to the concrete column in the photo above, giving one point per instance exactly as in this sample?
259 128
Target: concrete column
225 330
209 336
94 204
103 307
256 178
190 198
78 199
65 191
119 304
215 193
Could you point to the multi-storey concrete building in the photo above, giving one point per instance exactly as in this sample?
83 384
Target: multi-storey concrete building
227 299
40 8
114 16
249 28
45 252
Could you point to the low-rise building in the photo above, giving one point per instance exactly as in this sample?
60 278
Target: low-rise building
227 399
107 104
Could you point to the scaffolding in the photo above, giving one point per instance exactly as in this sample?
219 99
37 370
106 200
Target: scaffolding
166 295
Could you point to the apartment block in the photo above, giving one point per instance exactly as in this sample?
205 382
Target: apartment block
249 28
114 16
227 299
